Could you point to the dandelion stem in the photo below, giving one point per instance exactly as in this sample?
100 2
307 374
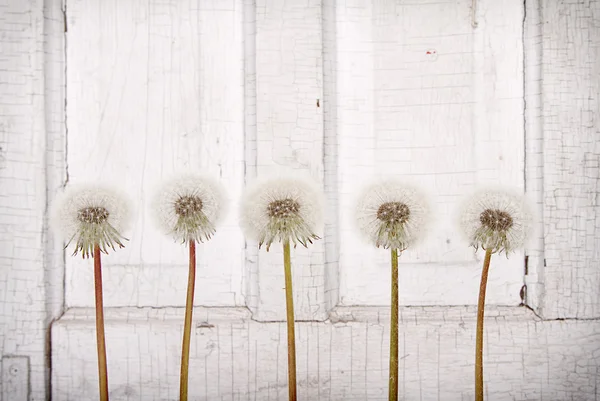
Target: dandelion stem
479 337
187 328
289 301
393 385
102 371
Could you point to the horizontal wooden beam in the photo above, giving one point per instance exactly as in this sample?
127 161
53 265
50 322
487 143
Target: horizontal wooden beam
241 359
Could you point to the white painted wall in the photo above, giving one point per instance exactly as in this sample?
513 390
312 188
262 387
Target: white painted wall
131 91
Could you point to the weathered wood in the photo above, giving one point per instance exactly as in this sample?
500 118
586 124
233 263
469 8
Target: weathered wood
534 143
331 238
571 112
151 85
155 88
289 135
435 103
235 358
23 198
15 378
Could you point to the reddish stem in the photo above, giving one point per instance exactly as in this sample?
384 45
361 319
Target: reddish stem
479 335
102 371
187 328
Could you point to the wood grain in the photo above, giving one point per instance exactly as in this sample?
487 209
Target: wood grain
25 135
571 152
161 93
435 104
236 358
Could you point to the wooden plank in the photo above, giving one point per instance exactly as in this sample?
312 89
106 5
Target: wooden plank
23 198
525 358
440 105
156 88
571 89
534 144
289 135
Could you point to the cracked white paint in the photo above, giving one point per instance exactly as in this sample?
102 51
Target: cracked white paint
571 154
161 93
327 86
240 359
534 143
22 199
423 96
289 134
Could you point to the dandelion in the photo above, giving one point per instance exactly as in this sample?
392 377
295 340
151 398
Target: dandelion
286 210
496 220
393 216
90 216
93 217
188 208
282 210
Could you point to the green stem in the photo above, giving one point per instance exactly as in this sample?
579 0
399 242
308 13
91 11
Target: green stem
289 301
100 341
393 384
479 336
187 328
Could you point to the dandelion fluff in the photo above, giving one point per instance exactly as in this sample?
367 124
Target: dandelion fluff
281 209
90 215
392 215
189 207
498 219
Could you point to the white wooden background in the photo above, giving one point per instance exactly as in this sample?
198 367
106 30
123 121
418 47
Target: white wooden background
130 91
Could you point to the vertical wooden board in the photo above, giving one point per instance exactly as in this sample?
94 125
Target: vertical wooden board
23 198
340 360
289 136
534 155
155 88
571 154
238 354
271 361
358 353
427 103
330 153
307 360
376 357
323 344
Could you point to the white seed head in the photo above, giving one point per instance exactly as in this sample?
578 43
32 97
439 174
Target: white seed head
90 215
496 219
392 215
282 209
189 207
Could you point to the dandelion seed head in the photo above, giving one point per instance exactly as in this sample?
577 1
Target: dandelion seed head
282 209
392 214
90 215
496 218
189 207
93 215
